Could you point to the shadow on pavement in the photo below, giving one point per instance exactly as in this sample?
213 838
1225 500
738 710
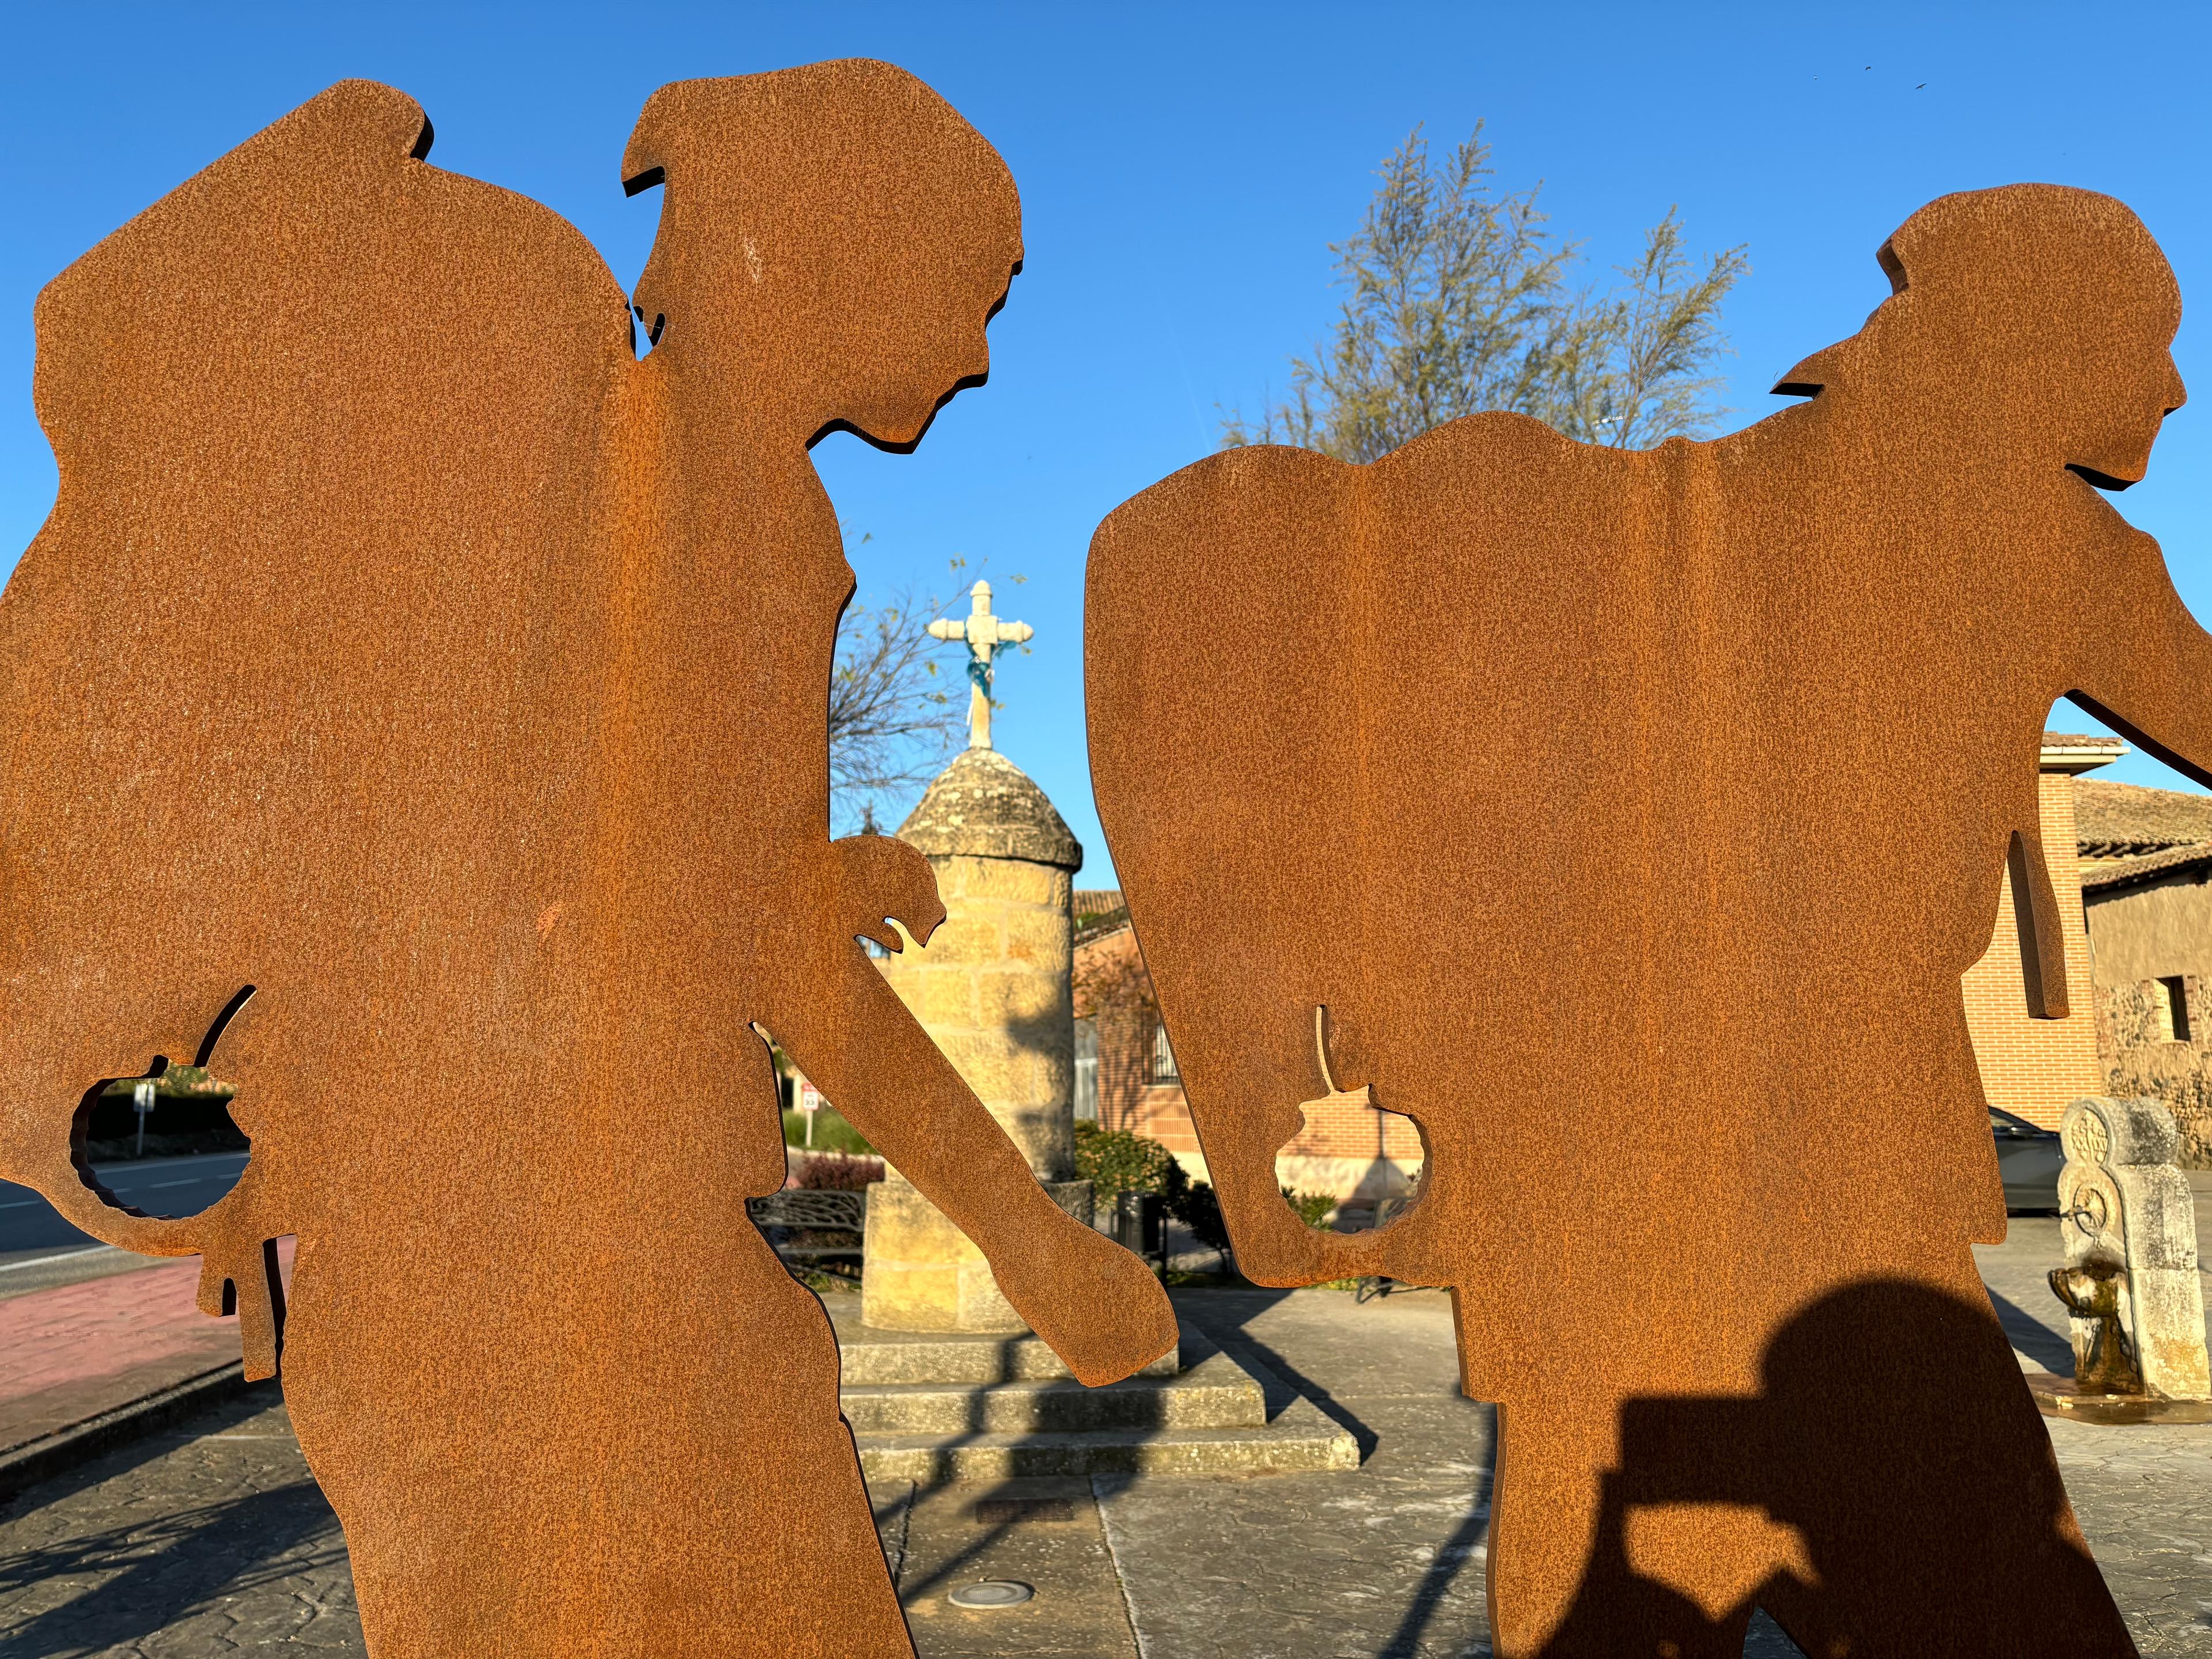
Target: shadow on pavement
128 1455
914 1589
149 1573
2032 1337
1228 1319
1467 1542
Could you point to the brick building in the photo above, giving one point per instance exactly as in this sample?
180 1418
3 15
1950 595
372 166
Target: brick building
1126 1077
2030 1067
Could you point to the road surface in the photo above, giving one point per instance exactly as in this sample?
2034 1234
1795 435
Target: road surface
39 1248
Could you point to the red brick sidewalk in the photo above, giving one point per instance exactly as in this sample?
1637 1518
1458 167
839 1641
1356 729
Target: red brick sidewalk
71 1352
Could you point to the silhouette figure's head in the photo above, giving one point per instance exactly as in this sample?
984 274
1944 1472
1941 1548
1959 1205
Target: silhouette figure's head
2038 315
836 235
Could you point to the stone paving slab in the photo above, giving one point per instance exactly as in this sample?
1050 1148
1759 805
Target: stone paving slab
1042 1533
179 1547
1385 1560
76 1351
73 1352
2144 1498
215 1541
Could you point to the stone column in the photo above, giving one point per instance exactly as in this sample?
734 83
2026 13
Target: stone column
992 990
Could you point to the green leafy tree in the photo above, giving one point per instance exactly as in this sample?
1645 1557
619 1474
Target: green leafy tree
1459 301
1314 1208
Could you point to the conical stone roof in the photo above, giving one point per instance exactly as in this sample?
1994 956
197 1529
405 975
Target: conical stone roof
985 806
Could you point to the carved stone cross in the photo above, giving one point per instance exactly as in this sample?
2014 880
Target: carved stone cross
985 635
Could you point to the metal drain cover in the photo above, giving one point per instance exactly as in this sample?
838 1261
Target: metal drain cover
992 1593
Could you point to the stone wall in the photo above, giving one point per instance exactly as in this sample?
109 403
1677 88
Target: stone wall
2153 927
2176 1074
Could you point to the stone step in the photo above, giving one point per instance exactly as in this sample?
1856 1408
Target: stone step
1302 1438
874 1358
1209 1419
1213 1393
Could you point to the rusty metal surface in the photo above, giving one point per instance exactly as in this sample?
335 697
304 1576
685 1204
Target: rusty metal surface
1634 816
403 647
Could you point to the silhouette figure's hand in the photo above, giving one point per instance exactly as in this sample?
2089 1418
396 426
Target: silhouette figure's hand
1097 1306
881 877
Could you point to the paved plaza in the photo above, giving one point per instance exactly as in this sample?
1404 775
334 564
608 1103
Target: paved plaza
214 1539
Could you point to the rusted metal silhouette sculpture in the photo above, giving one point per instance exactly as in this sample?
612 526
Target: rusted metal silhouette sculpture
1633 817
404 648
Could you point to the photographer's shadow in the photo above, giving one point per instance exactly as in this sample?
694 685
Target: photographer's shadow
1890 1490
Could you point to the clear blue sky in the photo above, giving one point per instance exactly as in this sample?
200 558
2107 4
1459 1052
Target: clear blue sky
1182 171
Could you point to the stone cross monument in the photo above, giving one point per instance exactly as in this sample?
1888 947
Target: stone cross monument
985 635
992 990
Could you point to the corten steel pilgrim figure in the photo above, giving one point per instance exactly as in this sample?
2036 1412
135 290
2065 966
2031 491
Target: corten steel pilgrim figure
402 646
1633 817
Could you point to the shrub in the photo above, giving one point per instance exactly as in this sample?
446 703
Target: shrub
839 1172
1118 1161
1314 1208
1199 1208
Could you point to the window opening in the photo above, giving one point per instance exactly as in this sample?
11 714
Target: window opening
1086 1070
2171 1005
1163 1059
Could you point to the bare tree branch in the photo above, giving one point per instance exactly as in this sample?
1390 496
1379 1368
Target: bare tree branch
894 719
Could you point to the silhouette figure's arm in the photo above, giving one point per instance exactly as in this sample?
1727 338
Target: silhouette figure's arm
2142 664
1097 1305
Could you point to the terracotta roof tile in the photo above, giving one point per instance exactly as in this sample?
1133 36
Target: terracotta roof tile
2125 820
2119 872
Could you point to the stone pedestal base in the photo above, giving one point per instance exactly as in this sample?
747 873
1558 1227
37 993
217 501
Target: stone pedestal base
2056 1396
922 1274
930 1407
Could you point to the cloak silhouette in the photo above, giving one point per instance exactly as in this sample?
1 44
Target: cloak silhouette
417 708
1634 816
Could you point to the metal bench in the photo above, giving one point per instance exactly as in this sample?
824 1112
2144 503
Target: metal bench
781 1217
1386 1211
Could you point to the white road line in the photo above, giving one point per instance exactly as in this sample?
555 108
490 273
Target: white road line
25 1205
193 1181
122 1166
66 1255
